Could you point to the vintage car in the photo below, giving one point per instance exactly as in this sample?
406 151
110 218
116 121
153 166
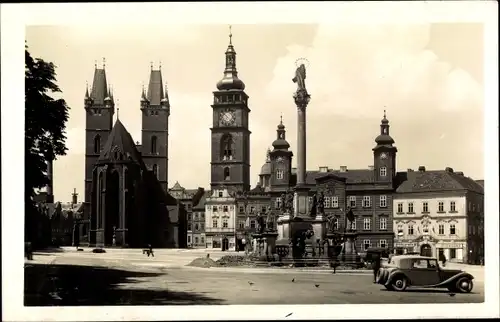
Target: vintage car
418 271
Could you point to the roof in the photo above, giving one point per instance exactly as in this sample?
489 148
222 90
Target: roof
121 141
351 176
440 180
155 88
99 87
201 204
480 182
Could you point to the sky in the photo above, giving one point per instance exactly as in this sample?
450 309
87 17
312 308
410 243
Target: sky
429 78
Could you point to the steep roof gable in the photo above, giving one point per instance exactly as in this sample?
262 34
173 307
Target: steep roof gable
120 141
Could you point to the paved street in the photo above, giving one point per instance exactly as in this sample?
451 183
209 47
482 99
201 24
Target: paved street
112 278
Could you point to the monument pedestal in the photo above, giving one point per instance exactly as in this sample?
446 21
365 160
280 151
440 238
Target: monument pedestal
349 255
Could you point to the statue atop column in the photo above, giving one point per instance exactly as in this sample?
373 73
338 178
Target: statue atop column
261 225
301 95
330 223
313 206
270 218
287 202
321 204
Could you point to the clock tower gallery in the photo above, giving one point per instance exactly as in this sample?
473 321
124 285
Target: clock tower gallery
230 163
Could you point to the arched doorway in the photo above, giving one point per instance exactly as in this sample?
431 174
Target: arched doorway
112 214
426 250
225 244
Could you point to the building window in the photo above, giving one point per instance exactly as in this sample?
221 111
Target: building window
279 174
241 209
410 207
241 224
153 145
196 240
366 244
441 206
225 208
410 230
425 206
214 223
383 171
382 243
353 225
196 226
400 230
328 202
352 201
97 144
367 224
225 223
425 229
189 226
189 239
453 253
383 223
335 202
252 223
227 147
252 209
214 208
227 176
383 201
155 170
221 194
452 206
263 209
400 208
202 226
366 202
277 203
202 240
452 229
441 229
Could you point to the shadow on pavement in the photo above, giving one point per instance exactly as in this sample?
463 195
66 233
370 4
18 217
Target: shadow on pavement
60 285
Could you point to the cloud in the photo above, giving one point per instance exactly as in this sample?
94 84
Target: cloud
359 69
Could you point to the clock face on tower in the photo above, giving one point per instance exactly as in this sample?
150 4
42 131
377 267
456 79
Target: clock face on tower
279 159
383 156
227 117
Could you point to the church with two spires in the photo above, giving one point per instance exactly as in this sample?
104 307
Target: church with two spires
127 203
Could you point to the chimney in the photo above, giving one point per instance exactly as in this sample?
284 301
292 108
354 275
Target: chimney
409 170
323 169
460 173
421 168
343 168
74 195
448 169
370 167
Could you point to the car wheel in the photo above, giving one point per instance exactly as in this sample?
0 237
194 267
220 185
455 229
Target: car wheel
399 283
464 285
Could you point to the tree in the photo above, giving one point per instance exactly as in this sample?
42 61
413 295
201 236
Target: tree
45 126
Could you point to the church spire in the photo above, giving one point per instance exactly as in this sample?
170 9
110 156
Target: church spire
99 91
384 138
281 143
155 87
230 79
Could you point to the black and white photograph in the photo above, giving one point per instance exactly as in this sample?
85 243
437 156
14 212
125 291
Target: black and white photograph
283 160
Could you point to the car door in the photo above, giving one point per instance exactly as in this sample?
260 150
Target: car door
421 274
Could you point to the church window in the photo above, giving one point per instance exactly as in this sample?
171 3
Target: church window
279 174
227 147
155 170
153 145
97 144
383 171
226 174
385 130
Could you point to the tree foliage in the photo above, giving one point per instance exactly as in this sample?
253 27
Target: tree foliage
45 119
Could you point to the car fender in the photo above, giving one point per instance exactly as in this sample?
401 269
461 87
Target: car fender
392 275
456 277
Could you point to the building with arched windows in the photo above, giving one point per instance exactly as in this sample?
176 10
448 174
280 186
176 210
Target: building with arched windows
127 202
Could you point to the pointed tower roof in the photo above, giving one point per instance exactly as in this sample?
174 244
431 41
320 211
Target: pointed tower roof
99 86
155 88
230 81
121 141
281 143
384 139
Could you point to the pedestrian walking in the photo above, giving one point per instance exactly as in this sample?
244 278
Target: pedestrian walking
150 250
376 266
442 258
